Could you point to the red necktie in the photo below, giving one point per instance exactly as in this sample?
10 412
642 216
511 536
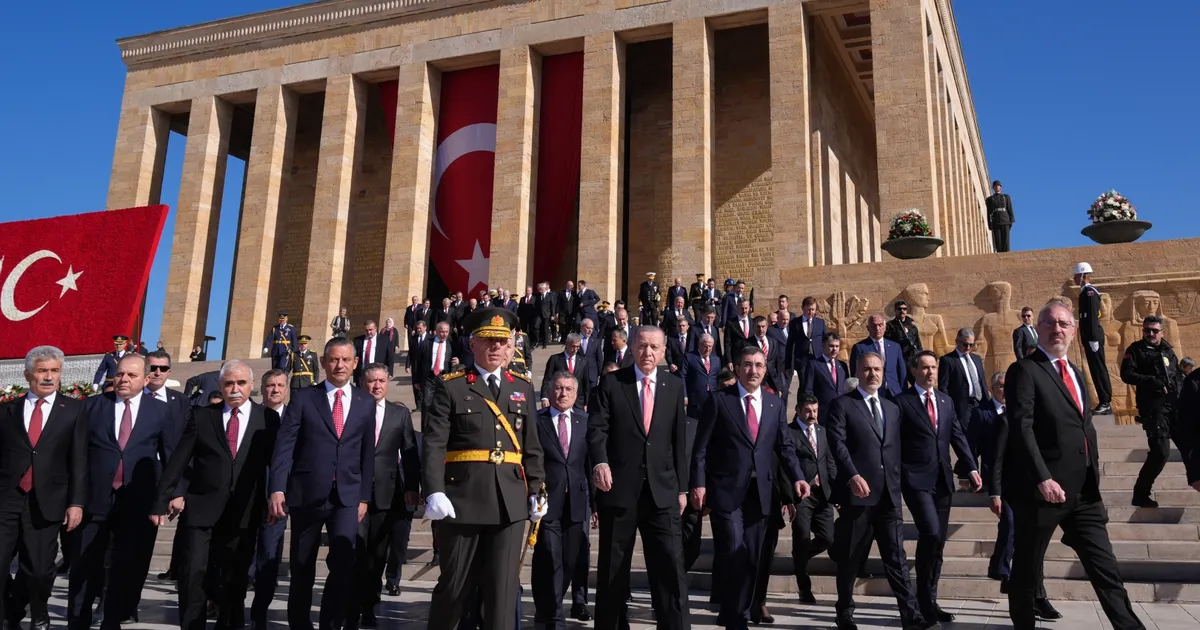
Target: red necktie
35 432
929 408
764 346
751 418
833 370
367 352
706 367
339 414
437 363
231 432
563 440
1070 383
122 440
570 366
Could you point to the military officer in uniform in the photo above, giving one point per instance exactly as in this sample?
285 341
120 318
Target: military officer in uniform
1092 333
107 371
522 353
482 471
999 217
281 341
305 366
648 298
696 296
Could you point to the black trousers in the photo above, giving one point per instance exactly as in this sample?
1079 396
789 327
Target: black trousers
662 542
931 514
486 556
110 551
766 558
1086 524
375 534
1158 439
812 534
1000 237
228 551
34 540
542 328
398 550
555 557
854 530
692 526
583 567
268 555
1099 371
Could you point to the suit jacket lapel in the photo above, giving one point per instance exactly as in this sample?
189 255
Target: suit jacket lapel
547 421
737 412
862 405
635 402
1048 365
254 422
770 409
218 425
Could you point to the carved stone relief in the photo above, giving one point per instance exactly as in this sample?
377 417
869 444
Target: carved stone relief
931 326
993 331
845 315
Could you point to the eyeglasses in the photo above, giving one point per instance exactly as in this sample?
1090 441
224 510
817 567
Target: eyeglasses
1152 331
967 344
160 368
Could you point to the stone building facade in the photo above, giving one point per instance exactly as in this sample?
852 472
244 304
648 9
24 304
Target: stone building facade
757 139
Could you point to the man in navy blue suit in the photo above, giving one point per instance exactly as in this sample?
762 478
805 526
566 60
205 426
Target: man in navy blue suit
825 376
961 377
805 335
700 371
130 434
742 430
928 430
321 474
894 371
562 432
864 433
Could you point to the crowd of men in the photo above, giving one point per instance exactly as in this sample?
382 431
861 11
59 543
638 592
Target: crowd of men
636 428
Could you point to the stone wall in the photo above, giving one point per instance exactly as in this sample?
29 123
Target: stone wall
367 228
986 293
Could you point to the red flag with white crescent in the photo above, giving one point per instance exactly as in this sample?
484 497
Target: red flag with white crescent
464 163
75 281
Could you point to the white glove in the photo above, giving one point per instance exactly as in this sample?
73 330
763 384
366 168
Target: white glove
537 511
1094 345
438 507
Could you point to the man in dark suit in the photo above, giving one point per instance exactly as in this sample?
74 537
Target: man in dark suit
742 430
961 377
591 348
435 356
527 310
1000 218
394 497
414 313
588 300
444 313
571 361
218 474
929 428
568 310
617 350
620 322
1025 339
699 373
562 432
130 434
812 524
825 376
707 325
676 314
895 374
864 435
805 336
637 437
773 354
676 290
199 387
1051 474
268 554
370 348
546 308
156 385
679 343
696 296
738 331
322 471
43 484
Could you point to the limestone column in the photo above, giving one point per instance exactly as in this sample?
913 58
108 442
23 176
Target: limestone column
791 133
406 248
185 306
514 190
600 172
341 127
902 108
270 155
138 160
690 250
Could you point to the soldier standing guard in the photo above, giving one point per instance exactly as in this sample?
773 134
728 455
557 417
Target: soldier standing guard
280 343
108 364
305 366
522 353
648 299
1091 332
482 472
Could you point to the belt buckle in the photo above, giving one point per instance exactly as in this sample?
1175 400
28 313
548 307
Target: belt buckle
496 457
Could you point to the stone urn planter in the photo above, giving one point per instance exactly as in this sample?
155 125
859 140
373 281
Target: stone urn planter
912 247
1117 231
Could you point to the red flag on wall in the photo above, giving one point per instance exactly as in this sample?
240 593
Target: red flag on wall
560 133
75 281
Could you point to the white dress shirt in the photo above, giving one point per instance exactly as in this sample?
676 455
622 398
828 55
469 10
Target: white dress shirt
485 375
867 399
119 410
243 420
433 352
554 414
31 399
372 342
345 389
924 393
999 405
755 400
379 409
641 377
161 394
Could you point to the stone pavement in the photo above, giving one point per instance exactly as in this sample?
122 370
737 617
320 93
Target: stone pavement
409 610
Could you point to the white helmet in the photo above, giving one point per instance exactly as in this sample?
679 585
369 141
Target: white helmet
1082 268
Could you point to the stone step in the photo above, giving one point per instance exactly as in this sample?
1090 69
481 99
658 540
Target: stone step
1162 482
1122 441
1165 498
1131 454
1131 469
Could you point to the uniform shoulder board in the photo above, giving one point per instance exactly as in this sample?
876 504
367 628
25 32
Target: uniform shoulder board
450 376
520 375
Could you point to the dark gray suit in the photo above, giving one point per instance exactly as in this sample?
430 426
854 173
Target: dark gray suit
812 529
1025 340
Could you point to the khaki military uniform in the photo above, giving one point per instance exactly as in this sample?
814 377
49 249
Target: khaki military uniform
304 368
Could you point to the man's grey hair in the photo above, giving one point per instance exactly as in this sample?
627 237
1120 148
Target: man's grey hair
374 367
574 337
620 333
964 334
1053 304
233 364
642 330
708 337
997 378
874 316
42 353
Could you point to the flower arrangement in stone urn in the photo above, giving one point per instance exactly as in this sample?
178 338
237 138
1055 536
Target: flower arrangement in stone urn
1114 220
910 236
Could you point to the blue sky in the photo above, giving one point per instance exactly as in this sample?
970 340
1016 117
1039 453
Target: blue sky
1070 102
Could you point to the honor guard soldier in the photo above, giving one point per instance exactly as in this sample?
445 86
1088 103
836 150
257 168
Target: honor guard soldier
281 341
103 381
304 365
522 353
482 471
1091 332
648 300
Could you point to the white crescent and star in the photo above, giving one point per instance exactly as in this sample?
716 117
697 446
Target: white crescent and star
8 306
469 139
476 266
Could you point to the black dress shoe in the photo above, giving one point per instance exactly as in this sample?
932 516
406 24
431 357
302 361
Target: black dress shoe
846 622
435 559
393 589
167 575
1144 502
210 610
39 624
369 620
12 625
581 613
941 616
922 625
807 597
1004 585
1102 410
1042 609
64 568
763 617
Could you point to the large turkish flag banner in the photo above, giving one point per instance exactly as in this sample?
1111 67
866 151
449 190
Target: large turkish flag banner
75 281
